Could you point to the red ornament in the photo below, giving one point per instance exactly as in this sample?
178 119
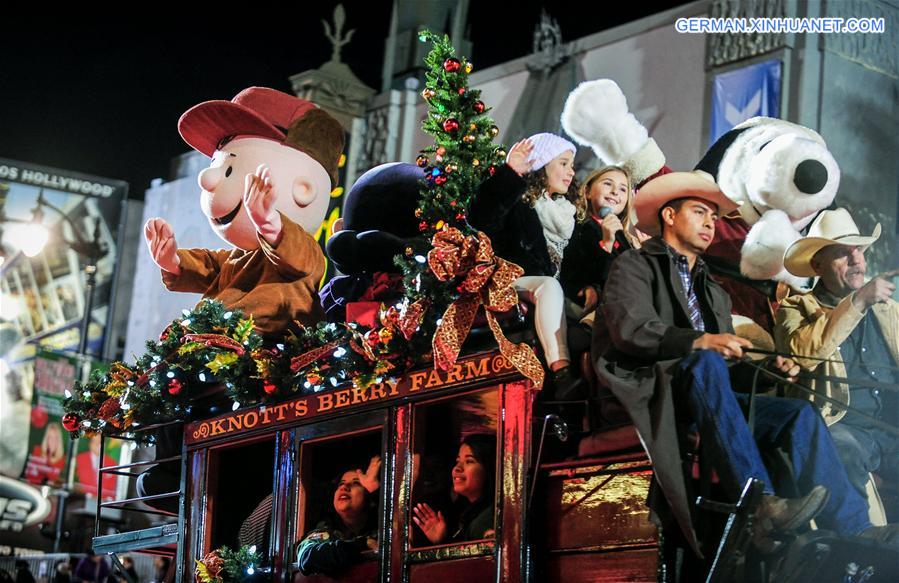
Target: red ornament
423 226
492 170
269 387
164 335
451 65
462 90
449 126
460 216
71 421
39 417
390 317
479 107
452 203
174 387
440 180
441 151
372 338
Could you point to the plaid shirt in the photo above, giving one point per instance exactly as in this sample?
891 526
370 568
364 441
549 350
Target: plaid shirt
686 279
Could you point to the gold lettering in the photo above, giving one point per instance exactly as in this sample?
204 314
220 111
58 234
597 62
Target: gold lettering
434 379
279 411
416 379
341 399
235 423
266 415
455 374
248 423
300 408
218 427
476 368
377 391
325 401
359 395
392 383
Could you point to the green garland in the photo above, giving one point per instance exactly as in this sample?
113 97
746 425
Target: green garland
224 565
213 345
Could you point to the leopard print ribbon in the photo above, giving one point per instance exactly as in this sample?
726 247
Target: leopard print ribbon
485 280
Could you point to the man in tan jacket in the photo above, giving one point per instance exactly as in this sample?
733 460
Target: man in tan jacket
846 329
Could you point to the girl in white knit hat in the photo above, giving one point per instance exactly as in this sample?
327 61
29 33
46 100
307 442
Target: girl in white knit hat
529 209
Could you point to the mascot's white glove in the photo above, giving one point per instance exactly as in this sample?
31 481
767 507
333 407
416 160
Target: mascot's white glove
596 115
764 248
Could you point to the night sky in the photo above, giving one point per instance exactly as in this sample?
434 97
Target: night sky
81 92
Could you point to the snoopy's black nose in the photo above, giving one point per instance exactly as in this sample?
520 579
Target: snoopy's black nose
810 176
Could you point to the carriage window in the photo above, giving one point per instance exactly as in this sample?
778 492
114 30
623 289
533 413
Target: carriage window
454 470
239 494
339 502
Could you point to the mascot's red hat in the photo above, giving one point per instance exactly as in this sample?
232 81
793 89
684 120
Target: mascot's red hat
266 113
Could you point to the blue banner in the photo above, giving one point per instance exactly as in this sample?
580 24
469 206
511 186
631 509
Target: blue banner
744 93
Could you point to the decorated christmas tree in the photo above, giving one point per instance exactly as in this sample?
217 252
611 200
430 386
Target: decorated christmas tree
462 158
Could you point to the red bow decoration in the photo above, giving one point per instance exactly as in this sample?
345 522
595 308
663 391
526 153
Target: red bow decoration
485 280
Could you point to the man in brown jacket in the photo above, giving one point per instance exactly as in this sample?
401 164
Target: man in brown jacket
662 334
847 329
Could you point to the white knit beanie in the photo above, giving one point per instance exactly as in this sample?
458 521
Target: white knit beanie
546 147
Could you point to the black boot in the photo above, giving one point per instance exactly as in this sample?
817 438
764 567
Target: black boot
568 386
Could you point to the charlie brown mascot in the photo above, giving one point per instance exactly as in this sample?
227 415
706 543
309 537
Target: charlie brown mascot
274 164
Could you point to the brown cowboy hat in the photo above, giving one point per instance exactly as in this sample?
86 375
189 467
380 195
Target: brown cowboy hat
834 227
662 189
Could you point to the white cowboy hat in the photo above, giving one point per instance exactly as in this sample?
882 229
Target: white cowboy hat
834 227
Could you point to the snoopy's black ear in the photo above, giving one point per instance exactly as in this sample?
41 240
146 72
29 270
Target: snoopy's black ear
354 252
341 248
378 248
712 159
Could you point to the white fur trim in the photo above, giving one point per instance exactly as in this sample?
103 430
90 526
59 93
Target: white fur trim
766 242
645 162
596 115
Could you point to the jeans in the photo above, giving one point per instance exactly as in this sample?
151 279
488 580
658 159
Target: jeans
864 450
702 385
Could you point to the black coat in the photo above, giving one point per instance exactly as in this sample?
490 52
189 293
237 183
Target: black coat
512 225
642 330
585 263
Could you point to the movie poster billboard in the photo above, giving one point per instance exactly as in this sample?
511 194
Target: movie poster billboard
42 298
47 440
